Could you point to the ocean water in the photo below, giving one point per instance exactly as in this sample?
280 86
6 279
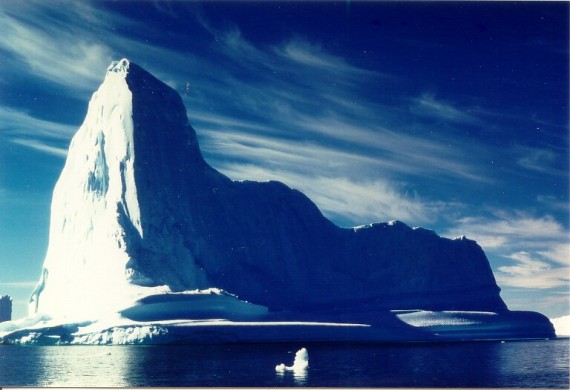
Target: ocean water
468 364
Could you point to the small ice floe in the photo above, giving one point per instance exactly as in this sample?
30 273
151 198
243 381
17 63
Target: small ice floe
301 362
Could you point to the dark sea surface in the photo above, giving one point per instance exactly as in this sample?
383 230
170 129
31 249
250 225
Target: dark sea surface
466 364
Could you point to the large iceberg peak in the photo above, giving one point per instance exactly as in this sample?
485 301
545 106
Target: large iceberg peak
119 218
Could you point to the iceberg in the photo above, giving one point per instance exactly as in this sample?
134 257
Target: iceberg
561 325
301 362
150 244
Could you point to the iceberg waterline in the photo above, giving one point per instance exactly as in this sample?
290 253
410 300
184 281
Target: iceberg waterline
145 233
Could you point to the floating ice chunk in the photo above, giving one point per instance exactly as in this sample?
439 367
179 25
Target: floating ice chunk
301 362
561 325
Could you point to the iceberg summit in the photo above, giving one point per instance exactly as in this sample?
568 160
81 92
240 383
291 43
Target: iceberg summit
150 244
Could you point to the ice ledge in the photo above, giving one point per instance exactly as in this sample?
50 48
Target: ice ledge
121 67
388 326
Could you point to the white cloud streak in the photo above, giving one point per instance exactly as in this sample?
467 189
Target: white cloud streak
525 265
336 179
311 55
406 153
428 105
537 248
558 253
504 228
22 124
44 136
539 160
26 284
348 199
42 147
525 276
54 46
71 45
310 133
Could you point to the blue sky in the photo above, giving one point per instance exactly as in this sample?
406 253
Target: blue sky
451 116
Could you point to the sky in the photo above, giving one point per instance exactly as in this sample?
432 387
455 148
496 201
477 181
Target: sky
452 116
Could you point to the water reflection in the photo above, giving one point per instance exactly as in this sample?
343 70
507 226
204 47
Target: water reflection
512 364
206 365
300 377
524 362
101 366
403 365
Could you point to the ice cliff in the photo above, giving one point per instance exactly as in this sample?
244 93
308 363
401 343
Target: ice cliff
141 225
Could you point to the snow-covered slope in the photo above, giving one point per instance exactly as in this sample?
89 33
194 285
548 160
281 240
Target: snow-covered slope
84 272
140 223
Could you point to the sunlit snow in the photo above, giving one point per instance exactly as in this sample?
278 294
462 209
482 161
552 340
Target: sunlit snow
85 270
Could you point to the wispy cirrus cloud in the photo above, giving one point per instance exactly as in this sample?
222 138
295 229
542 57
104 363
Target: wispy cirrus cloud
532 273
536 249
20 123
504 227
51 44
302 52
405 152
303 130
24 284
540 160
558 253
239 48
525 265
41 147
59 44
309 110
428 105
365 201
41 135
348 200
553 202
342 183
